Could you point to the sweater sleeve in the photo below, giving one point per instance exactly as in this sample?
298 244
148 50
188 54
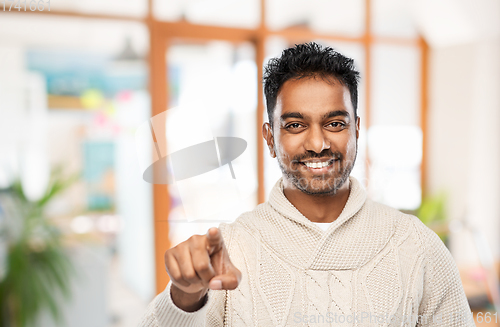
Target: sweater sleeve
443 301
162 312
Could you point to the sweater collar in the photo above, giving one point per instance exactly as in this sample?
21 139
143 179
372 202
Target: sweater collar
355 237
356 199
361 231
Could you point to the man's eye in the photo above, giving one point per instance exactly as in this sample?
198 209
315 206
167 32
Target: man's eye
293 126
336 125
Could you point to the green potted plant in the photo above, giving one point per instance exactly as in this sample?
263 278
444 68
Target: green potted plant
38 269
432 212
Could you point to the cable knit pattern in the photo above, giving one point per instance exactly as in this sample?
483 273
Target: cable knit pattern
373 266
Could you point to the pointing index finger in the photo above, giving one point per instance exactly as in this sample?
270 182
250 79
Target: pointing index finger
214 240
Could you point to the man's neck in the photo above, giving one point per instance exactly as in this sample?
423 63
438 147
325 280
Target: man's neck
318 208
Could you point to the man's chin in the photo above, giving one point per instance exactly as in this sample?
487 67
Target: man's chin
315 192
318 187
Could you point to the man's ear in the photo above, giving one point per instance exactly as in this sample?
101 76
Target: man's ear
357 127
267 133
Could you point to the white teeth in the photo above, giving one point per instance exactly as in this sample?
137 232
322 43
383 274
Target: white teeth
317 164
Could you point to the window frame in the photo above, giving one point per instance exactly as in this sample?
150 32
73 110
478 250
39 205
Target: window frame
162 33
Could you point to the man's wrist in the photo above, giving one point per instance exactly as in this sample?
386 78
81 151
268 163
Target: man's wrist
188 302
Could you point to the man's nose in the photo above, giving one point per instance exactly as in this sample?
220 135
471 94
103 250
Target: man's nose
316 140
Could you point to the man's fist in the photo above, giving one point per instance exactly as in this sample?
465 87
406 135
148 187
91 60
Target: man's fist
197 264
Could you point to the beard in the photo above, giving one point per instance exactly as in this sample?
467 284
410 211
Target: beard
324 185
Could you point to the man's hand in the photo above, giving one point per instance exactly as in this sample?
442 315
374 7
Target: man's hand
195 265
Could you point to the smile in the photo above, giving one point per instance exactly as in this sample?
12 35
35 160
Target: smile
318 165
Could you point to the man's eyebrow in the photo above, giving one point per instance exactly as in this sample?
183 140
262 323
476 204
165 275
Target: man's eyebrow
294 114
335 113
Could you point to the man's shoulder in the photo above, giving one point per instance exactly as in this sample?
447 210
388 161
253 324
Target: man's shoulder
379 207
243 233
247 218
405 224
386 214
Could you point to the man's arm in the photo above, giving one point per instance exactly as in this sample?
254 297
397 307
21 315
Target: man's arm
200 271
162 312
444 302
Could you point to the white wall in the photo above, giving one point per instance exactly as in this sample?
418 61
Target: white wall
134 202
464 139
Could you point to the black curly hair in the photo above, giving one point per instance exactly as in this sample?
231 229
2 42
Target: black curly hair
307 60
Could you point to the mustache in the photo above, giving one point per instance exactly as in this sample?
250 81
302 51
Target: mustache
314 155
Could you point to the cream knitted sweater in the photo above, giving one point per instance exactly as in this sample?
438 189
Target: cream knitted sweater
374 266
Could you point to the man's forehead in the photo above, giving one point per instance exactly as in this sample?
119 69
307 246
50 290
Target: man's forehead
312 97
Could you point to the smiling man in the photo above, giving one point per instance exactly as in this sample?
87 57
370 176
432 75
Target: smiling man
318 252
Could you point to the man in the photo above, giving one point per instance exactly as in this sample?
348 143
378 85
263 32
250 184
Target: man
318 252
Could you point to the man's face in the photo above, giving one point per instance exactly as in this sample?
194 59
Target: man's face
315 134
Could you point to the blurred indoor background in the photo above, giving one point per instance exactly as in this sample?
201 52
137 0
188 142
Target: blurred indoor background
92 93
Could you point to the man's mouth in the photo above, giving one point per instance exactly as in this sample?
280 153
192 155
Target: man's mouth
318 164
